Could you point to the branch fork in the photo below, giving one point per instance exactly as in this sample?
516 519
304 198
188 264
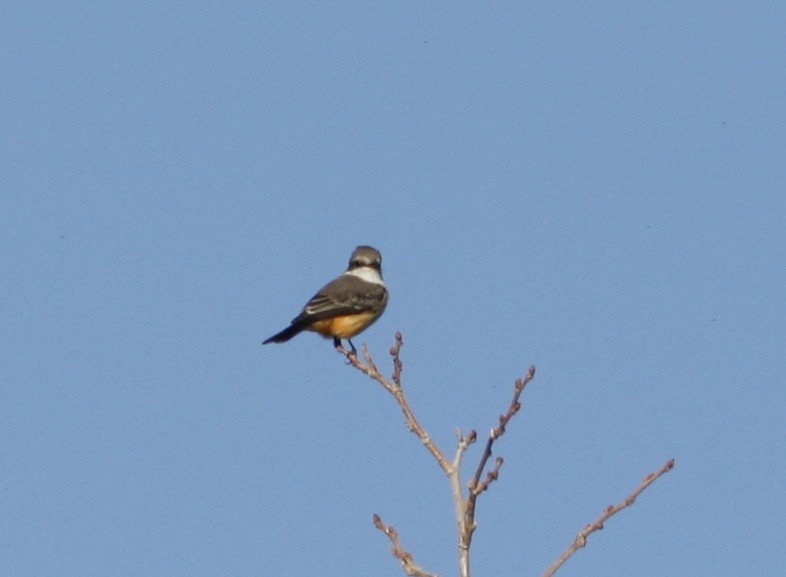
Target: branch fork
465 507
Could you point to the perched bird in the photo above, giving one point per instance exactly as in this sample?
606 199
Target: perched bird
346 305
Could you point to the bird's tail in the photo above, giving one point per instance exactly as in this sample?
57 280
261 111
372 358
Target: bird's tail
286 334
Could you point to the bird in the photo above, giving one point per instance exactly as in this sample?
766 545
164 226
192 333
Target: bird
345 306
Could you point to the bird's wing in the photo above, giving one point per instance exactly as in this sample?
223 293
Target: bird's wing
345 295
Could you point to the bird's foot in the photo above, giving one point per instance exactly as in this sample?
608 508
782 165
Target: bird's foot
353 352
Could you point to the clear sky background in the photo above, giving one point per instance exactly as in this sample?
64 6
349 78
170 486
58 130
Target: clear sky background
593 188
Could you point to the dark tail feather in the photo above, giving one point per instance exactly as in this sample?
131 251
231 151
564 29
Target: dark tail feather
285 335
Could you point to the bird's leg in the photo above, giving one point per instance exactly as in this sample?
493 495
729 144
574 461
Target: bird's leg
341 349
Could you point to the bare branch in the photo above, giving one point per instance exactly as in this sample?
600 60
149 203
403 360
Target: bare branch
393 386
465 509
398 366
460 504
405 557
495 434
611 510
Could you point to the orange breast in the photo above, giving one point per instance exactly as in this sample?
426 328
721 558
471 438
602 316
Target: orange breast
344 327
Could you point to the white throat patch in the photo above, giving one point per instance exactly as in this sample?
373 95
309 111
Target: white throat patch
367 274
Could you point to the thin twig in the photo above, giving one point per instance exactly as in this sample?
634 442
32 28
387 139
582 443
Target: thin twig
475 486
465 509
393 386
398 366
460 504
405 557
611 510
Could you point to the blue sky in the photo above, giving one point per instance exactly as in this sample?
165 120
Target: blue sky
596 189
